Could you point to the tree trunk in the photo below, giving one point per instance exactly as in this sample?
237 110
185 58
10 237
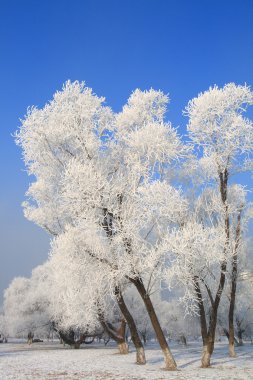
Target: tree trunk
240 332
140 353
183 340
123 348
231 340
206 355
208 335
227 335
209 341
233 288
202 314
68 338
170 363
144 338
117 335
231 346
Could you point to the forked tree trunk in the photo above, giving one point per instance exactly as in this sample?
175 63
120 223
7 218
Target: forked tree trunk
208 334
69 338
209 340
117 335
140 353
170 363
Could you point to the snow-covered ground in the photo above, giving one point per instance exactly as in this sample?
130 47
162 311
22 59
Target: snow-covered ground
51 361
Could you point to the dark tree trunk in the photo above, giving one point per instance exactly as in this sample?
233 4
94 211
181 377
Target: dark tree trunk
170 363
207 336
209 342
226 333
208 333
144 338
202 313
68 337
140 353
233 288
183 340
240 332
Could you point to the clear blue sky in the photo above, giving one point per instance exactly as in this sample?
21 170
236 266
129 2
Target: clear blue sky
179 46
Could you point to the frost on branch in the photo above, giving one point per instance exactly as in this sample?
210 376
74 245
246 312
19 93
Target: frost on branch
217 124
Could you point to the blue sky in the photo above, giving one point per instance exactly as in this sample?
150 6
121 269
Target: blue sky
179 46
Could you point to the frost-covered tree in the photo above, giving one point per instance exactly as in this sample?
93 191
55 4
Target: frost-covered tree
224 136
68 127
15 310
197 250
84 300
3 328
105 176
242 303
243 311
26 304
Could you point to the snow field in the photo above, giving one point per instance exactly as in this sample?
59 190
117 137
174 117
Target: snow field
52 361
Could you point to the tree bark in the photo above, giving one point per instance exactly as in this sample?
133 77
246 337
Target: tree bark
233 288
227 335
208 346
140 353
240 331
240 343
117 335
209 341
170 363
202 314
208 334
231 340
206 356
